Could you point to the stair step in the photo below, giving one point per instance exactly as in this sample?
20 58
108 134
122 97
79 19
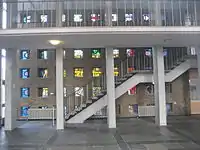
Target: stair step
83 105
103 91
118 82
122 79
101 94
89 101
94 98
73 112
67 116
128 75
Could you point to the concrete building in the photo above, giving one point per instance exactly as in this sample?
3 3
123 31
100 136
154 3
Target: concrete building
74 60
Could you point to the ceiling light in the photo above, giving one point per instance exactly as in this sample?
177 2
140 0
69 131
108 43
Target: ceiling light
55 42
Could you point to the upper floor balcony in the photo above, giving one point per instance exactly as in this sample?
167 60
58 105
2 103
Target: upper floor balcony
88 13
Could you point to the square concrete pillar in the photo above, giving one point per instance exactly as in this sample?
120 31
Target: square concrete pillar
159 86
59 90
12 90
110 84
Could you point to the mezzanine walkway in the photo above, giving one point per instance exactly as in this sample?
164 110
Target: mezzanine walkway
182 133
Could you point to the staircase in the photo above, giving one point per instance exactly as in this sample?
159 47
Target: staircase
83 103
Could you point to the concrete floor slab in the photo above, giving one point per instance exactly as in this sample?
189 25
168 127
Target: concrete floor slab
182 133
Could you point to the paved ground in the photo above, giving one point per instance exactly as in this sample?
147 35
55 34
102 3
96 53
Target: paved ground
182 133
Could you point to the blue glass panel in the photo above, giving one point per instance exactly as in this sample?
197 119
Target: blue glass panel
148 52
24 111
25 73
25 92
165 52
25 54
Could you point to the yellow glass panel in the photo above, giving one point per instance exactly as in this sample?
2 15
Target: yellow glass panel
96 72
78 72
116 71
64 73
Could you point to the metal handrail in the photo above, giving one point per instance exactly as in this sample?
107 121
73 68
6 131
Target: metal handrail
77 103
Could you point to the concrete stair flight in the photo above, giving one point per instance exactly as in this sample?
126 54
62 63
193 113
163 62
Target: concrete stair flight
122 84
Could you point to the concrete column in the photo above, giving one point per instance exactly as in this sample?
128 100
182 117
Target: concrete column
59 90
110 84
157 13
12 90
159 86
108 12
197 49
59 13
0 88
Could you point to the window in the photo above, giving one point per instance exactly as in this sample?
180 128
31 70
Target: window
43 72
146 17
193 51
96 72
64 73
131 69
43 18
96 91
132 91
24 73
3 52
129 17
95 17
114 17
148 52
78 72
169 107
25 92
78 18
149 90
26 19
42 54
116 53
165 52
96 53
65 91
116 71
24 54
78 54
130 52
79 91
118 109
24 111
168 87
64 54
43 92
63 17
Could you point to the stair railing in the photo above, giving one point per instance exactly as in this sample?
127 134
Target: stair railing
96 88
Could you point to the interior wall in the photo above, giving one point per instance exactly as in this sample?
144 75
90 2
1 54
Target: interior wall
179 98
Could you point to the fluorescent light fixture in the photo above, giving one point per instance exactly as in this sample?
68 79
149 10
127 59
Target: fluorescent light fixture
55 42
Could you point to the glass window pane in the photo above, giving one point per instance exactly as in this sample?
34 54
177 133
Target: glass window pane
43 72
79 91
96 72
96 53
25 54
78 54
42 54
116 53
25 93
24 73
78 72
116 71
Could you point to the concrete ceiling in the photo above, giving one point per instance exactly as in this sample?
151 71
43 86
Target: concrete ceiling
93 37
